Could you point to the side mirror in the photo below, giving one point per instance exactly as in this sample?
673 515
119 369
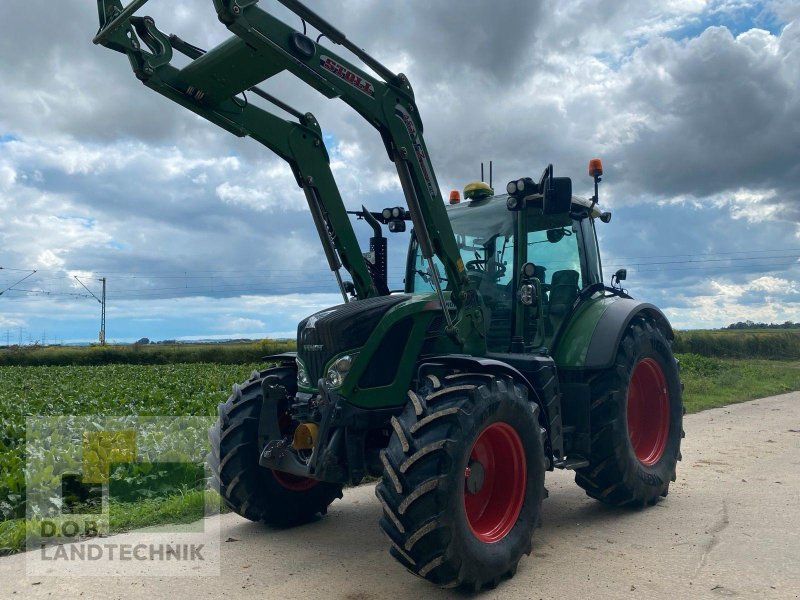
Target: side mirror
557 196
555 235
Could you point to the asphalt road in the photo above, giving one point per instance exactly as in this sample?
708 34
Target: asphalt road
729 528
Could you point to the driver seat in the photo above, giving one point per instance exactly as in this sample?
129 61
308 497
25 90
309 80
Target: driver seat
563 292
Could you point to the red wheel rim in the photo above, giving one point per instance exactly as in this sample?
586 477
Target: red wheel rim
294 482
648 411
493 509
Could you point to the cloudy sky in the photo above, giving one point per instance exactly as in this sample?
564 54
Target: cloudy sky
694 105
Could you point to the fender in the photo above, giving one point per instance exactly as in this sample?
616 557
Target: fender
285 358
550 408
591 338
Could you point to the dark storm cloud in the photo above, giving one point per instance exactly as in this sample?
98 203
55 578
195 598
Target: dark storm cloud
445 39
723 115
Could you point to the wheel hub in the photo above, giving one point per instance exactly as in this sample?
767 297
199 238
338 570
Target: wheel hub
474 474
495 482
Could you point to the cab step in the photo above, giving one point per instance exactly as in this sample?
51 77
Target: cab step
577 462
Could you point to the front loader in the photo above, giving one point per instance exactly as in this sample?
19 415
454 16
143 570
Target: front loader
506 355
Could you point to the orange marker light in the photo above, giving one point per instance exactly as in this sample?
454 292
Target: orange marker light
595 167
455 197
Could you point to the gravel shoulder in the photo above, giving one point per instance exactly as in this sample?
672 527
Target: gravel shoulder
730 527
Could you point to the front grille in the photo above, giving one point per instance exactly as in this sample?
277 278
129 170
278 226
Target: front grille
327 333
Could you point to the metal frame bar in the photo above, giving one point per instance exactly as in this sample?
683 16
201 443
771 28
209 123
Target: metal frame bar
122 18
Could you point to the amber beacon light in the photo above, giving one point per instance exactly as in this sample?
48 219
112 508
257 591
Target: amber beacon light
595 167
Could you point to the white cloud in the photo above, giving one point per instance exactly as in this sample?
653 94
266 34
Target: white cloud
241 324
7 177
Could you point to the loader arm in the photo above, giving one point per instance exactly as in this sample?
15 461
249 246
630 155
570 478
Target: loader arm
386 102
298 143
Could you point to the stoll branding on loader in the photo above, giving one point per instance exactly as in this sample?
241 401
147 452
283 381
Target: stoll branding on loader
505 357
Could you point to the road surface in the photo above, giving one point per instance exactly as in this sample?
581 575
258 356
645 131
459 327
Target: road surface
730 527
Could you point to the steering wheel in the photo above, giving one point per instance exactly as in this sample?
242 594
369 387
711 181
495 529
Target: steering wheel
477 264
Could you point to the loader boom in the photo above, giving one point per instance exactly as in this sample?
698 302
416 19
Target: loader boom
264 46
387 104
298 143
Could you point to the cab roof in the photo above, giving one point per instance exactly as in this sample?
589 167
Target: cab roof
576 200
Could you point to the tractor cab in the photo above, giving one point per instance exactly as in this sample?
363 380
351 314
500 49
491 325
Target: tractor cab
496 243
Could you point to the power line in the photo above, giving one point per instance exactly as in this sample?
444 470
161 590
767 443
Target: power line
50 293
709 254
31 274
707 260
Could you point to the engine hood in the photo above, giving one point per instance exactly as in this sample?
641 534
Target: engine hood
329 332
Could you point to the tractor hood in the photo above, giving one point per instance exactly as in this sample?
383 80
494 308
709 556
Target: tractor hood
329 332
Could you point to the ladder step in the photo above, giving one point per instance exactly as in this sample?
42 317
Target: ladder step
577 462
228 70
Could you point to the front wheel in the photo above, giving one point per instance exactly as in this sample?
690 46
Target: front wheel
463 480
636 421
254 492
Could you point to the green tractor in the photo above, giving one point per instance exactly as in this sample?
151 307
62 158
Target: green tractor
505 356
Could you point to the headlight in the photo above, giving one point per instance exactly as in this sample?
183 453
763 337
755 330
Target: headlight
339 370
302 375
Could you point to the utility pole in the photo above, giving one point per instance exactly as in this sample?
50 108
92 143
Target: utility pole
103 315
102 336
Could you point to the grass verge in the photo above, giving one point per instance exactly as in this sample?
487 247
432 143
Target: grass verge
714 382
179 509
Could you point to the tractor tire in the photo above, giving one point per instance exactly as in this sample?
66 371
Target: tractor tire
636 421
463 480
247 488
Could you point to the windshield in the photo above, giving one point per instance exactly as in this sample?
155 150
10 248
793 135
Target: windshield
484 232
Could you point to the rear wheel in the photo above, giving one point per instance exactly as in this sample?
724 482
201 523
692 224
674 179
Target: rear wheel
463 480
636 421
254 492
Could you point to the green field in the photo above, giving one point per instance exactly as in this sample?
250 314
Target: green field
104 390
713 382
196 388
230 353
747 344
